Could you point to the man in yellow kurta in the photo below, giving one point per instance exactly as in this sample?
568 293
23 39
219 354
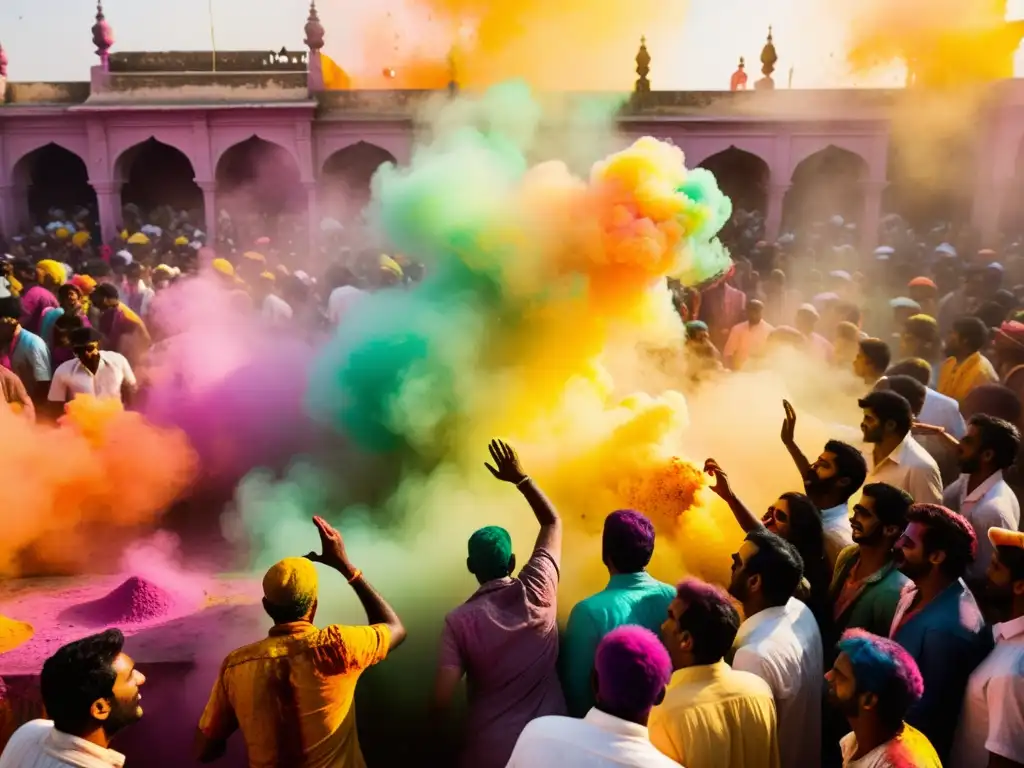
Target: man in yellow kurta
966 368
292 693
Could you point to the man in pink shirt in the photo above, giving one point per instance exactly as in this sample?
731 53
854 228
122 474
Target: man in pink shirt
747 339
504 639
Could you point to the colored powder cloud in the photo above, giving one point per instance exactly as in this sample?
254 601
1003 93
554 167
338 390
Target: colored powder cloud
70 492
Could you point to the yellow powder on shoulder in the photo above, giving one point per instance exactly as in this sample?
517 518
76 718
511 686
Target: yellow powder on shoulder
14 633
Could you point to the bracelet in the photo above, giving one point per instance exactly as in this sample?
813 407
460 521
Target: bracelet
356 575
524 480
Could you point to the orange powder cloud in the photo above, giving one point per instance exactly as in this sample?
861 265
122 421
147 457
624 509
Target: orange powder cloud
67 493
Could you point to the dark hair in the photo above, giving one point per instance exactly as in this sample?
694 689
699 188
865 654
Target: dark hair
78 674
96 268
627 542
889 406
891 503
914 367
286 614
849 312
1000 437
910 388
68 322
877 353
83 336
1013 559
106 291
850 463
10 308
991 314
972 330
66 289
993 399
778 563
710 618
946 531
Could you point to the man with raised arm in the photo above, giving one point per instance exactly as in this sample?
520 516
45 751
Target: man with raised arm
292 693
504 638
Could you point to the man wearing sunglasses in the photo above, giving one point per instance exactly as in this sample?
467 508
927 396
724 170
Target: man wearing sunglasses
96 372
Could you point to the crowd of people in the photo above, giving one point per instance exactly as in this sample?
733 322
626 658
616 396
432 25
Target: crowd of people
874 618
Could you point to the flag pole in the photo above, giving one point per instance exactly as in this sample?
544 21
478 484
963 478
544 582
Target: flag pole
213 38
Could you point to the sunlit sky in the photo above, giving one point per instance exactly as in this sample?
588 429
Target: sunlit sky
50 40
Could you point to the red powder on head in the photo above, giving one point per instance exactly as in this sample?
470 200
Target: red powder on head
133 602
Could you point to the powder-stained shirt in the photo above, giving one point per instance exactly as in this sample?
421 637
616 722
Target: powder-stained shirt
957 380
717 717
505 639
629 598
73 378
29 358
33 304
292 695
910 749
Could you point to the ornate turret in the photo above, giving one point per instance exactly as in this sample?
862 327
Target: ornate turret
769 58
739 77
314 29
643 67
102 36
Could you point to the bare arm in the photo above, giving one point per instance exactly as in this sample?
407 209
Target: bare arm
508 469
747 520
378 610
803 466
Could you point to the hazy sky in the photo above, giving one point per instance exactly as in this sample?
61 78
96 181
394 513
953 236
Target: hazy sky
51 39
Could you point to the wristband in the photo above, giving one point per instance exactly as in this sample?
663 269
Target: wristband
356 575
524 480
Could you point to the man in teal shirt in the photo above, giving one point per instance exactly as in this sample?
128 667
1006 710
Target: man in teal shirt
631 597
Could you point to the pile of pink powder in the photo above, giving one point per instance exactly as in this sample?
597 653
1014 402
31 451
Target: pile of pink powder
135 601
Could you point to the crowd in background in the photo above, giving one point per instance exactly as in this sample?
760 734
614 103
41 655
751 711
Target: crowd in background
874 617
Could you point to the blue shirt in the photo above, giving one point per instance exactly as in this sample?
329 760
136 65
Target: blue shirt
629 598
30 360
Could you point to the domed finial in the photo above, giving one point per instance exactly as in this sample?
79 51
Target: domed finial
769 58
314 29
643 67
102 35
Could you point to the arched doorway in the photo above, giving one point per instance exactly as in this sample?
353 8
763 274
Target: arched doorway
157 175
345 179
259 186
51 177
744 178
923 193
825 184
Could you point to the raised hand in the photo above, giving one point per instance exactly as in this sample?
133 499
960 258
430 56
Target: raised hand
788 424
332 548
506 463
721 486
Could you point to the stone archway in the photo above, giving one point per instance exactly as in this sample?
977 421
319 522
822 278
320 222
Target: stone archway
344 184
741 175
51 177
924 193
155 175
827 183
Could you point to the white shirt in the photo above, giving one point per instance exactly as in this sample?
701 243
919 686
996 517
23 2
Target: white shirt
991 505
911 468
745 341
782 646
992 719
942 411
37 744
72 378
340 302
599 740
276 310
835 523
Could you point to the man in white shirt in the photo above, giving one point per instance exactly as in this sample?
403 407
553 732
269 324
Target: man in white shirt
981 494
99 373
938 409
991 730
747 339
830 482
274 310
631 670
780 642
897 458
344 293
91 690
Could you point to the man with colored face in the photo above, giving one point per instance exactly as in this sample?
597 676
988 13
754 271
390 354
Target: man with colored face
90 689
95 372
991 731
938 620
873 683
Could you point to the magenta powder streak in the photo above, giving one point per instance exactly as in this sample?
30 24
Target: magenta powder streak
134 601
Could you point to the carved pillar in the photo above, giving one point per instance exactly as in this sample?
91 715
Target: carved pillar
872 214
108 201
773 220
209 189
8 226
313 217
